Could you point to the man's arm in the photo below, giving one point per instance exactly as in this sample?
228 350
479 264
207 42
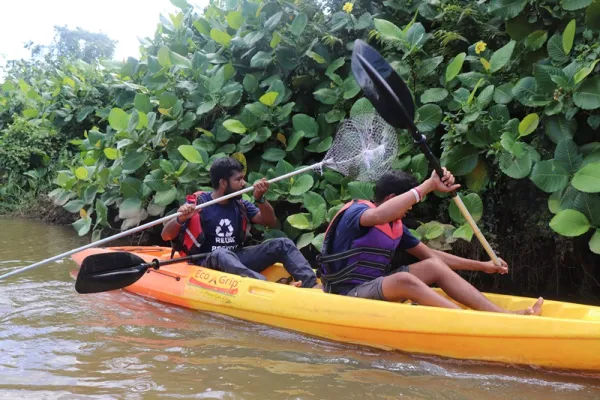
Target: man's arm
171 229
266 214
398 206
423 252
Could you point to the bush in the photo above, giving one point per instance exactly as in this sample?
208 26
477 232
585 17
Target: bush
508 92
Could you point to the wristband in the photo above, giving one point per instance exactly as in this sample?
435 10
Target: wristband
419 192
416 193
261 200
179 223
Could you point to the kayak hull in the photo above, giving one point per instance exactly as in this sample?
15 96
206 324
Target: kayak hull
566 336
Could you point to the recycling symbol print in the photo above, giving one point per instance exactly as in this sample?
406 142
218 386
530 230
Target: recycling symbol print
224 229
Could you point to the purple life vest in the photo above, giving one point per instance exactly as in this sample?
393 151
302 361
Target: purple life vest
368 258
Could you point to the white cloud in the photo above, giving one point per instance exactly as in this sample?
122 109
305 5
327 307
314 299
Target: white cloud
122 20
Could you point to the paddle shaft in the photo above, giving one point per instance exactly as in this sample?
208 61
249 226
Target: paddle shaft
421 141
157 222
156 263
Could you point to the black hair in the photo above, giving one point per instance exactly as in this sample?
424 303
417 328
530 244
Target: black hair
223 168
394 182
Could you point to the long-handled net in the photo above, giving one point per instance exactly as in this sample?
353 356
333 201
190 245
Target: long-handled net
364 147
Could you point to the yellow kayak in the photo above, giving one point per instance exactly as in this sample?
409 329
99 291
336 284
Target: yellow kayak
566 336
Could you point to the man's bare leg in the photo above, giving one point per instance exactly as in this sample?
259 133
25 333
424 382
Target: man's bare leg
434 270
403 285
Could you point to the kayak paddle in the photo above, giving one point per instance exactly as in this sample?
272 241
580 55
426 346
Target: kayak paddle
363 148
115 270
393 101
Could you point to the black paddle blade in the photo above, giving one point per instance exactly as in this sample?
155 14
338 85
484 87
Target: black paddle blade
109 271
384 88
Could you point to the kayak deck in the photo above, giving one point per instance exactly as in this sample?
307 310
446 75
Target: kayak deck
463 334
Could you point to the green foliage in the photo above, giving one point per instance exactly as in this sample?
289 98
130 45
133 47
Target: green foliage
511 91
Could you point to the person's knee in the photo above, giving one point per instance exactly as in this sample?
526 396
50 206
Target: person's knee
437 265
404 279
282 243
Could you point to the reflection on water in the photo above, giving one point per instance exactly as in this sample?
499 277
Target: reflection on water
56 344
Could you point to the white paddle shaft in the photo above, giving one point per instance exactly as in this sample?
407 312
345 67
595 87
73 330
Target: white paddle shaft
156 222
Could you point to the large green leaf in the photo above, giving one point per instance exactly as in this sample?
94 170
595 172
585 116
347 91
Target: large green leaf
274 154
535 40
190 154
558 128
306 124
549 176
134 160
302 185
503 93
388 31
74 206
571 5
299 24
118 119
516 167
595 242
525 89
462 159
235 19
82 226
131 187
529 124
101 213
326 96
419 166
501 57
304 240
142 103
568 155
261 60
454 67
555 49
506 9
206 107
430 65
300 221
587 179
317 207
434 95
428 117
570 223
233 125
569 36
220 37
166 197
361 106
587 95
361 190
473 203
273 21
592 16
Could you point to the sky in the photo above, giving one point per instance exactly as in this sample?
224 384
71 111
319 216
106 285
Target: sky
122 20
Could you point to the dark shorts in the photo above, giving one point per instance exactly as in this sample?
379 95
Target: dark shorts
373 289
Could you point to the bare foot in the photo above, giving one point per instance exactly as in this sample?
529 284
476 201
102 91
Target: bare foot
536 309
296 283
318 286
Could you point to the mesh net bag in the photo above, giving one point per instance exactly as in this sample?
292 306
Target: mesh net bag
364 147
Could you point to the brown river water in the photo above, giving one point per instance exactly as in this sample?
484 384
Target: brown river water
57 344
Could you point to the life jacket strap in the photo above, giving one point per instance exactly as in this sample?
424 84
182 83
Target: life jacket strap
326 259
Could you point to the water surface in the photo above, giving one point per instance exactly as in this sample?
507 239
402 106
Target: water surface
57 344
